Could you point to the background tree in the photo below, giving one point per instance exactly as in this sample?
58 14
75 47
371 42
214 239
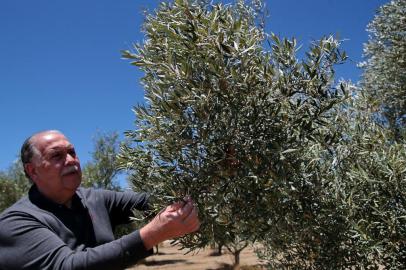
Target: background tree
232 124
366 173
358 220
384 76
372 156
364 227
13 185
101 171
371 170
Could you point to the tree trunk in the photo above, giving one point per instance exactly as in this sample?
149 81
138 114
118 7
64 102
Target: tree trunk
236 265
219 249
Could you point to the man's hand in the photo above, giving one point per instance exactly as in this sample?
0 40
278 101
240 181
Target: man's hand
175 220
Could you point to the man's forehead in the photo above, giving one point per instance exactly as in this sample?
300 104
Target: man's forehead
51 140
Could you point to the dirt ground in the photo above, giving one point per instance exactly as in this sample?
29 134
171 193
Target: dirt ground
170 257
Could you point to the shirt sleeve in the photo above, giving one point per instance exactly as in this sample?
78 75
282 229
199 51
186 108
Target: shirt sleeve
121 205
26 243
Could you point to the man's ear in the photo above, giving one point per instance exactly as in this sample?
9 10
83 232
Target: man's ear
31 171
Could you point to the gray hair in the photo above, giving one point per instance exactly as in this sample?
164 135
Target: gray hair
29 150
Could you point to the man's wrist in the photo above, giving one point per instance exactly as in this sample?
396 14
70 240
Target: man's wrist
150 237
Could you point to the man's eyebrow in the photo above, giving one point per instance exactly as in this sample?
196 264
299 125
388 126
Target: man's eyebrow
69 146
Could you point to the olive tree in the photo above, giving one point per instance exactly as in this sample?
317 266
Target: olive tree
230 116
373 155
358 219
384 76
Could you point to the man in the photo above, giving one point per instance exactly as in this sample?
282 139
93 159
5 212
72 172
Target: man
60 225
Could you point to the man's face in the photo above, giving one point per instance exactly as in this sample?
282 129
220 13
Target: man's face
56 170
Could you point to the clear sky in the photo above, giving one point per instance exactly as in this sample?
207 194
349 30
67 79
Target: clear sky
60 63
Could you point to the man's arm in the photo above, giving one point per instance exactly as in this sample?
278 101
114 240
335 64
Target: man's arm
37 247
25 243
121 204
176 220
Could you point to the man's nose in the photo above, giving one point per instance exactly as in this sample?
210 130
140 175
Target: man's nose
70 158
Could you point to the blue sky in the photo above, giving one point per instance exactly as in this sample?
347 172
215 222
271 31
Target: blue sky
60 63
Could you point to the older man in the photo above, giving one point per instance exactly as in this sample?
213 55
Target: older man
60 225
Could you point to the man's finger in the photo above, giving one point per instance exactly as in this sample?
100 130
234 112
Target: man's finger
191 217
193 224
175 206
185 210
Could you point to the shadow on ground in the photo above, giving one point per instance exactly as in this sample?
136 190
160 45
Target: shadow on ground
225 266
162 262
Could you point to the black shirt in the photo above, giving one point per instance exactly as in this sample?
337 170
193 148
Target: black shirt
36 233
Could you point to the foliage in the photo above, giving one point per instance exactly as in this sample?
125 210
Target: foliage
364 228
371 168
232 124
373 175
102 169
376 181
358 218
8 194
13 185
384 76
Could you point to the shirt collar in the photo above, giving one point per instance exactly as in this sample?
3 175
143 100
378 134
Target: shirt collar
37 198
